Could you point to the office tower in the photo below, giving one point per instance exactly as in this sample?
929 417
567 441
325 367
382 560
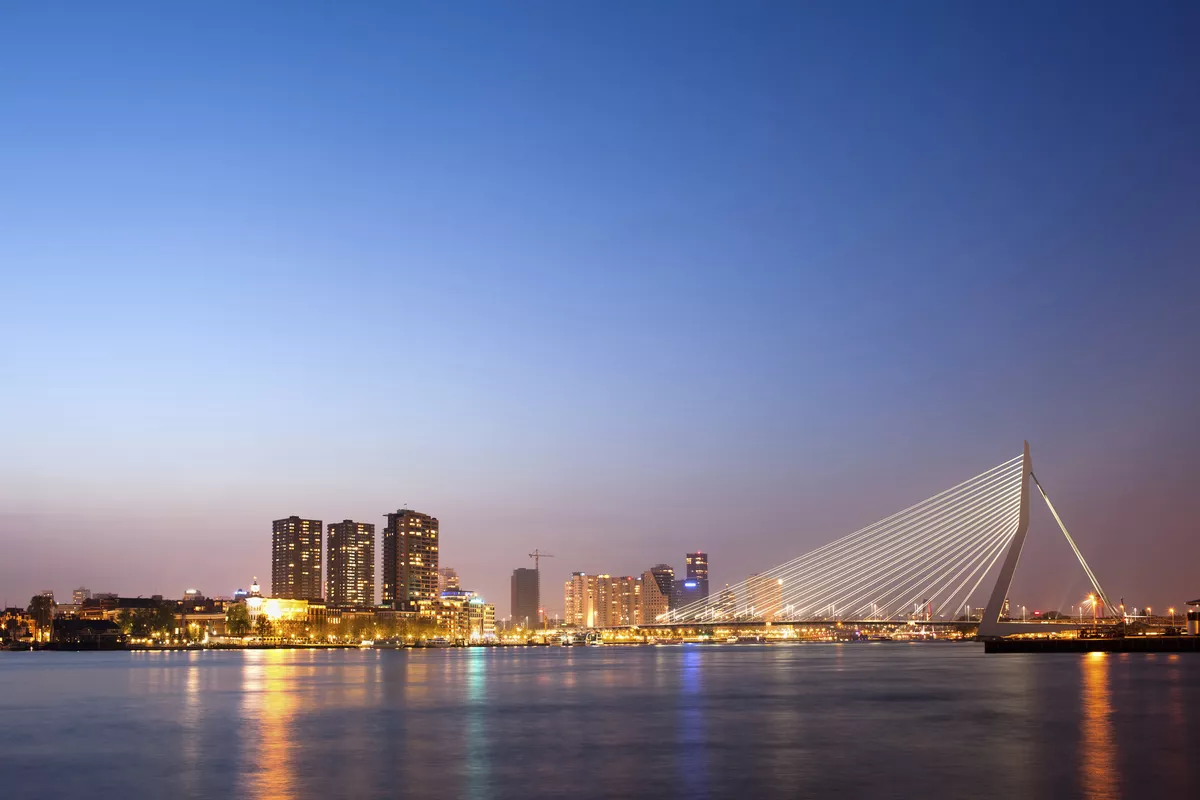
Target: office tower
448 579
296 559
579 595
764 596
526 598
664 576
350 564
410 561
697 570
658 585
80 595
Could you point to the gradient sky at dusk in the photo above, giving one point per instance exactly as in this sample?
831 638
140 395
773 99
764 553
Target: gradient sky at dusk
614 280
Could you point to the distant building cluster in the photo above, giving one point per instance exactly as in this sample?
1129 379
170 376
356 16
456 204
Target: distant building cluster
322 590
413 581
605 601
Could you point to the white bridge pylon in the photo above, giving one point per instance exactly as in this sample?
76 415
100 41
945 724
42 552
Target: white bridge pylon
925 562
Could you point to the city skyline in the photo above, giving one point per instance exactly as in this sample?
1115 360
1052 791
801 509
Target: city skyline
749 287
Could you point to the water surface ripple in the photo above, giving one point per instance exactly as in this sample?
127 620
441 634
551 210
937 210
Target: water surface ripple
745 721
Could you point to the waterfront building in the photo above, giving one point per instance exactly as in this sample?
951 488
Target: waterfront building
17 625
1193 617
462 615
80 595
697 572
602 601
350 564
689 591
658 585
579 596
623 602
106 607
602 610
87 634
481 619
296 558
526 597
764 596
410 561
664 576
286 610
616 601
448 579
194 600
200 625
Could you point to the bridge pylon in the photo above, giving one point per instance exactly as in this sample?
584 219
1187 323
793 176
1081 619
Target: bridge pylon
990 624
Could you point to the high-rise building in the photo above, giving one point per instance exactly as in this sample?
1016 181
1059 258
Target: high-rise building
697 570
296 559
764 596
664 575
410 560
603 601
448 579
526 598
605 607
658 586
81 594
350 564
621 598
579 596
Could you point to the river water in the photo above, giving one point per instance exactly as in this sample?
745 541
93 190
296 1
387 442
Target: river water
746 721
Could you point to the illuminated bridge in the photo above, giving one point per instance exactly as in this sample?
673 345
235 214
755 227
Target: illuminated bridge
925 563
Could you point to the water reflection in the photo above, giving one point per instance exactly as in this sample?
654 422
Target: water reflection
754 722
191 723
1097 756
269 703
691 727
478 757
1173 754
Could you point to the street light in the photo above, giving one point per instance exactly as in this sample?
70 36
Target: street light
1092 600
1172 612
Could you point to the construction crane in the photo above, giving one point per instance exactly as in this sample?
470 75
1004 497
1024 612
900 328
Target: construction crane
537 555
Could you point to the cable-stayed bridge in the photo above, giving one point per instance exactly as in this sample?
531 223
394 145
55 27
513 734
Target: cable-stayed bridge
926 562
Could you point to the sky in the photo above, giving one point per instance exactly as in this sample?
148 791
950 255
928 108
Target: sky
612 280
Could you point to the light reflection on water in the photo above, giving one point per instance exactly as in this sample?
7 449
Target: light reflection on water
1098 751
697 721
478 761
268 709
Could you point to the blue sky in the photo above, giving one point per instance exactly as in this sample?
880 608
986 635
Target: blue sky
613 280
